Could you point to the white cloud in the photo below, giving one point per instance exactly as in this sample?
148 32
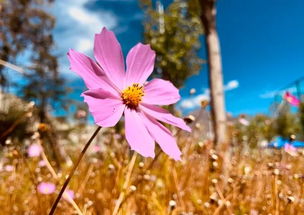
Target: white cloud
231 85
84 45
81 15
76 27
271 94
89 21
268 94
195 101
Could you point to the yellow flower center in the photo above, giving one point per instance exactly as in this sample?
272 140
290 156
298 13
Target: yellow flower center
132 95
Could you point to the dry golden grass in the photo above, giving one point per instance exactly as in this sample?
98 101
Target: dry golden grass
260 181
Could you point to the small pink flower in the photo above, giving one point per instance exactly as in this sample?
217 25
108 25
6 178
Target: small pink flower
114 92
34 150
290 149
46 188
9 168
254 212
291 99
69 193
96 148
41 163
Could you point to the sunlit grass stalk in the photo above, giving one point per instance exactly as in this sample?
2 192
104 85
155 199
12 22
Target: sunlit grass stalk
125 185
86 179
54 174
176 184
219 192
277 203
32 178
139 181
297 207
48 165
52 211
12 66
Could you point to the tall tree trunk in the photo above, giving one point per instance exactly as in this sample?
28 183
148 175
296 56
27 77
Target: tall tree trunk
208 18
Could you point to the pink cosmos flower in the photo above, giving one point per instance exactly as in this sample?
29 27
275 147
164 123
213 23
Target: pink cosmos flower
69 194
291 99
112 92
34 150
46 188
290 149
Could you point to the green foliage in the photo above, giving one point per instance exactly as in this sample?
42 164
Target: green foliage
301 117
261 127
286 123
174 34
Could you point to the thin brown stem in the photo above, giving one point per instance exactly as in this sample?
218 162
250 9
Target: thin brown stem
54 174
73 171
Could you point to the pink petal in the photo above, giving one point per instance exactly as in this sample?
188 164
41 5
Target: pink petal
46 188
34 150
108 53
140 64
290 149
69 195
160 92
137 135
164 116
162 136
106 108
292 99
90 72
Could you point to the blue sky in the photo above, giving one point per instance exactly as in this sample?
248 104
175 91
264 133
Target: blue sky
262 44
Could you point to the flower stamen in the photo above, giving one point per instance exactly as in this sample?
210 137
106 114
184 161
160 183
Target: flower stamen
132 95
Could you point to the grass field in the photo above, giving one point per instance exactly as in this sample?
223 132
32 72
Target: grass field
114 180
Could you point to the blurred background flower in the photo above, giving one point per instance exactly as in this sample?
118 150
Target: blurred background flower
46 188
34 150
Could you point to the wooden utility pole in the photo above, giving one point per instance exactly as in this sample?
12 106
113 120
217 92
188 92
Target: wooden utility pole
208 18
